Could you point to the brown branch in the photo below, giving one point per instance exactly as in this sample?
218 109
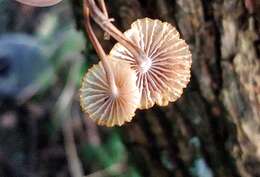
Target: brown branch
107 26
101 53
104 10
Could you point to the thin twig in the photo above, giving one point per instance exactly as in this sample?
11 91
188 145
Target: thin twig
103 7
104 10
63 111
100 51
71 150
92 132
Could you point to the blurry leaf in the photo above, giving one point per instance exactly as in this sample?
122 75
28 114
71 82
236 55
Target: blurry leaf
97 156
65 48
105 155
83 71
115 148
24 68
76 72
47 28
131 172
68 45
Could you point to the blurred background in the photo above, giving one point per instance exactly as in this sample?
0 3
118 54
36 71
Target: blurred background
213 130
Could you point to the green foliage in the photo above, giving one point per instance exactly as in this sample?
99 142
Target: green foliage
112 151
69 44
131 172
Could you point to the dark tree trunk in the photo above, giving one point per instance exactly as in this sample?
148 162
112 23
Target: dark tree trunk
215 125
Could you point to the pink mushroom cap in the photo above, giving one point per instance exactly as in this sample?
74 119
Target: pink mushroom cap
39 3
165 70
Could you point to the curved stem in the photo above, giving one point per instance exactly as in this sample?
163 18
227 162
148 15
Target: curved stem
104 10
101 53
103 7
107 26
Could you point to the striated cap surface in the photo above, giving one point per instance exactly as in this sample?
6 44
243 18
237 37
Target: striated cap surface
103 105
165 69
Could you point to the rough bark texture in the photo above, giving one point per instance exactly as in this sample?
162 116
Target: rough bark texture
218 117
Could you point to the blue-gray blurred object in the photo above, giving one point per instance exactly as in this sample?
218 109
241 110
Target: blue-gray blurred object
22 64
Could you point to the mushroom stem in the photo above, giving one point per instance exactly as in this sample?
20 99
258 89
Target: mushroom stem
103 7
101 53
104 10
101 19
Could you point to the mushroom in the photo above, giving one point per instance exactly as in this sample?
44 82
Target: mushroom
39 3
108 93
161 59
165 69
107 105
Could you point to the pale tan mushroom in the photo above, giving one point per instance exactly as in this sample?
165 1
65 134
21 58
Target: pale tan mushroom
155 51
165 70
105 105
39 3
108 94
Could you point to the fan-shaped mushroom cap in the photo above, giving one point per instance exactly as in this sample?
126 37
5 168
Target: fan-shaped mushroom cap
39 3
104 106
165 70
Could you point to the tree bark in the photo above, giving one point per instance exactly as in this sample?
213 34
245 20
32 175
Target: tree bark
215 125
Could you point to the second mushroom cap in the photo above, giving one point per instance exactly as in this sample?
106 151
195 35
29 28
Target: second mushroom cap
165 68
